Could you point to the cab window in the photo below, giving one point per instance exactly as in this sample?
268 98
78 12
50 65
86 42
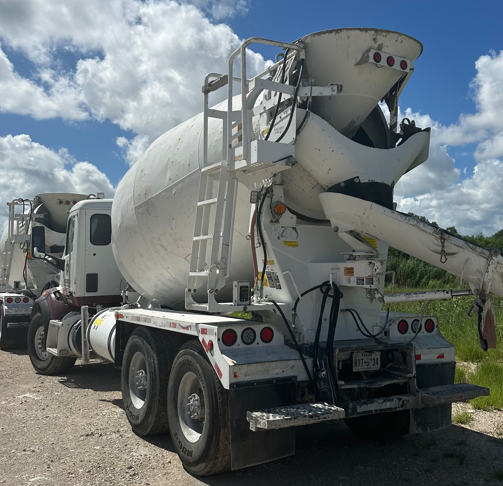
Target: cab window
70 232
101 229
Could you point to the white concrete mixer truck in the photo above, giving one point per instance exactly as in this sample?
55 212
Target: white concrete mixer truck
29 248
277 202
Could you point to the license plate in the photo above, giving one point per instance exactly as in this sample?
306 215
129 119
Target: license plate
366 361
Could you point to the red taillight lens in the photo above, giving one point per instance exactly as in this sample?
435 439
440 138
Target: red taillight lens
60 202
9 300
403 327
74 202
67 202
210 345
229 337
26 300
266 334
403 64
391 61
429 325
377 57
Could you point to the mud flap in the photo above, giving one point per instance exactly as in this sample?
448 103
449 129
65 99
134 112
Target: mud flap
251 448
487 325
430 419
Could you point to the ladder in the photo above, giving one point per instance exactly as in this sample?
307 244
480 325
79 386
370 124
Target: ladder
219 183
18 227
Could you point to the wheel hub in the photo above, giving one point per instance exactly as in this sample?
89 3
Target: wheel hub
39 344
141 380
195 408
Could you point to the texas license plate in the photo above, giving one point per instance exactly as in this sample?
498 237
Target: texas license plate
366 361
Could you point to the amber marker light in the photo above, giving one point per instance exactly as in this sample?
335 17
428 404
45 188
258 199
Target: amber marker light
279 209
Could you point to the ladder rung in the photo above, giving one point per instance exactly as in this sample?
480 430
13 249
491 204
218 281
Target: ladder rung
212 167
207 202
203 237
199 274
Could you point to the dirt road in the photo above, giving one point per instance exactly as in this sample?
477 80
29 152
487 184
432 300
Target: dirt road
72 430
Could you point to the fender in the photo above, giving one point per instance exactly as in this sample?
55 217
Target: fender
52 304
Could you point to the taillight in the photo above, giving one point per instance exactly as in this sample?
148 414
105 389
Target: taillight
429 325
74 202
390 60
210 345
26 300
60 202
9 300
266 334
403 327
229 337
377 57
17 300
403 64
67 202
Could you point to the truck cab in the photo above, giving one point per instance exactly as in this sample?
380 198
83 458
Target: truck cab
90 274
89 278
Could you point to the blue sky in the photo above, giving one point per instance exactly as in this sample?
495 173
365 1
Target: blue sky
86 86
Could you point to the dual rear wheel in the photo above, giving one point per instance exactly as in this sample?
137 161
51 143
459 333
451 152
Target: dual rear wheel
165 386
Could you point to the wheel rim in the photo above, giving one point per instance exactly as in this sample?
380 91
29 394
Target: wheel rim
138 380
39 344
190 406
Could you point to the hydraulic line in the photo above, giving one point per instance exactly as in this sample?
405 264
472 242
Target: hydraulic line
296 344
301 70
279 97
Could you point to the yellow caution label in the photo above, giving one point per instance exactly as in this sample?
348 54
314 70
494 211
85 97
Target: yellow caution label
98 322
259 278
291 244
270 262
371 241
349 271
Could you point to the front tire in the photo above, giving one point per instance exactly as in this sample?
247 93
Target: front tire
144 379
4 344
43 362
198 413
380 426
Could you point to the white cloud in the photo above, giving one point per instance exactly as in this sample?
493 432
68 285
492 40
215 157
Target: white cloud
133 149
473 205
138 63
30 168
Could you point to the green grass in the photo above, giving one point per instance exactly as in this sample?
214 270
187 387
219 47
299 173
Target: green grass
462 418
461 331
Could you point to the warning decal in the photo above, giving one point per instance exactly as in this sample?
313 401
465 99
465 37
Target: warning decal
292 244
349 271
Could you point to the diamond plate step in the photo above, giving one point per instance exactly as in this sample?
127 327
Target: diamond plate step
293 415
439 395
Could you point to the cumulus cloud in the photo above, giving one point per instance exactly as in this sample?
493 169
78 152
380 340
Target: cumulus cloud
138 63
133 149
30 168
472 202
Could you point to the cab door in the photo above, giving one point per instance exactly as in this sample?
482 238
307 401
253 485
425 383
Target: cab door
99 261
68 257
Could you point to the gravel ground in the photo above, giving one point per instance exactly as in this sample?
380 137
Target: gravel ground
72 430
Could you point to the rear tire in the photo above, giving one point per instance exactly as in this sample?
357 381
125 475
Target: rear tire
144 380
43 362
198 412
5 345
380 426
